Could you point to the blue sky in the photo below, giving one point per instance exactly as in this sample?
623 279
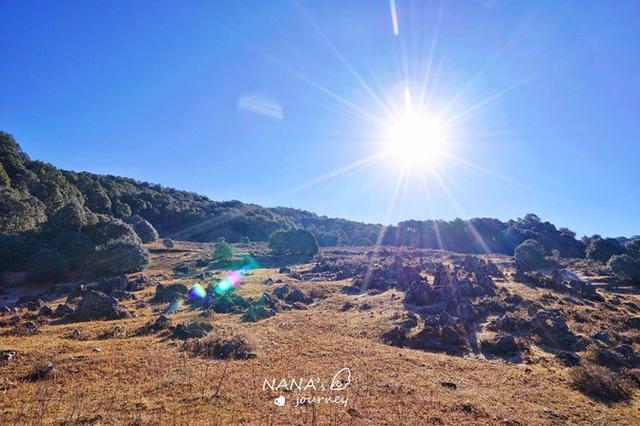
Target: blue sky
267 101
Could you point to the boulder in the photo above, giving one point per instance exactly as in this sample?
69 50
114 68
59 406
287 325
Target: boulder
510 323
397 336
257 313
138 283
291 294
504 344
602 336
570 359
98 305
8 356
553 331
160 324
108 285
168 293
622 356
63 310
633 323
46 311
122 295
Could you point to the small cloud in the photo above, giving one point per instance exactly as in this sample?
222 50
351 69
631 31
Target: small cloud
261 105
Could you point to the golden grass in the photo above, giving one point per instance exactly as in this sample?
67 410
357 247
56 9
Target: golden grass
150 380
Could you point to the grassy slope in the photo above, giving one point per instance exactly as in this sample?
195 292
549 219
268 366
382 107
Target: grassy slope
151 380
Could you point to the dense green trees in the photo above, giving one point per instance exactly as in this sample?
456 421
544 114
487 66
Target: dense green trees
293 242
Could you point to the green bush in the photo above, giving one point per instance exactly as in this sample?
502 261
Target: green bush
168 243
14 251
70 217
75 246
46 264
108 228
633 249
4 177
602 249
245 240
223 251
20 212
625 267
144 229
120 257
294 242
530 255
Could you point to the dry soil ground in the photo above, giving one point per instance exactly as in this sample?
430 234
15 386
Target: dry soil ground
129 379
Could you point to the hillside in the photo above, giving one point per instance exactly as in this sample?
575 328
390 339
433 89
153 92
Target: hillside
47 214
105 319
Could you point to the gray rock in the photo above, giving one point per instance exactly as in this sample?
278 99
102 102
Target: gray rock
97 305
46 311
63 310
567 358
504 344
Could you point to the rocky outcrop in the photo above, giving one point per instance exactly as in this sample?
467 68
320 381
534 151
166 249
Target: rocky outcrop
96 305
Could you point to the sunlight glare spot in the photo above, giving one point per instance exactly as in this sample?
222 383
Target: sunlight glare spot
415 140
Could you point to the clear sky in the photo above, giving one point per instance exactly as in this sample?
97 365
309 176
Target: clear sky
285 103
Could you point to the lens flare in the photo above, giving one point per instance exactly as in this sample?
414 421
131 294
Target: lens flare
232 280
173 306
197 292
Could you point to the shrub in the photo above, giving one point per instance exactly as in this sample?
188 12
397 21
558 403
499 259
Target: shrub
530 255
168 243
14 251
633 249
70 217
600 383
217 347
294 242
47 264
193 330
144 229
326 239
625 267
245 240
120 257
75 246
19 212
230 303
108 228
223 251
4 177
602 249
121 210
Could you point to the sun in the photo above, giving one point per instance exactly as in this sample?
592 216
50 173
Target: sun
415 140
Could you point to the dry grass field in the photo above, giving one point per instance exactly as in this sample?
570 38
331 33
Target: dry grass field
109 374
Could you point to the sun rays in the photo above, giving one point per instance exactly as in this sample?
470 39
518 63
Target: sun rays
417 133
